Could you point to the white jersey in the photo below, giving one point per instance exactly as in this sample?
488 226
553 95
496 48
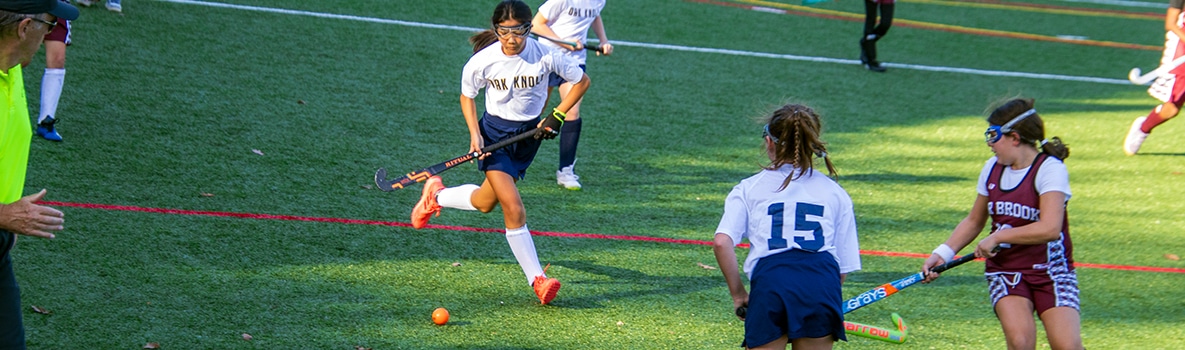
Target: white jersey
571 19
516 86
813 214
1052 176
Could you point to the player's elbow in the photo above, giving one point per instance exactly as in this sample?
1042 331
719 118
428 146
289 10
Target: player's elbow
722 241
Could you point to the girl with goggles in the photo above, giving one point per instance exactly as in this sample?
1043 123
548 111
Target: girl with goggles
1022 193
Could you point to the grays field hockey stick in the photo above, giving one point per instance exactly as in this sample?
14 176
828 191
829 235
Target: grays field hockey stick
887 289
862 330
380 177
587 46
1135 77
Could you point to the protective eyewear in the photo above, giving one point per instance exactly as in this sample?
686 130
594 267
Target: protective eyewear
765 133
48 24
994 132
519 30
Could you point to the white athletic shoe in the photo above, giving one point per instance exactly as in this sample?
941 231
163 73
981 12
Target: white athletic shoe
114 6
1135 137
567 177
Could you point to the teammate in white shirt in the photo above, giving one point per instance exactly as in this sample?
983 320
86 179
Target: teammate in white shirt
570 20
513 74
802 240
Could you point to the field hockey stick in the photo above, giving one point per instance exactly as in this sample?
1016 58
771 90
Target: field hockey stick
871 332
1135 77
862 330
380 177
593 47
887 289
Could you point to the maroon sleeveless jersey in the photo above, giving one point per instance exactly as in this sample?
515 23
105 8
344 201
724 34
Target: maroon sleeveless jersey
1017 207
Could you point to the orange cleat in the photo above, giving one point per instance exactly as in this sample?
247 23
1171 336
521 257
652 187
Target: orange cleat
546 288
427 206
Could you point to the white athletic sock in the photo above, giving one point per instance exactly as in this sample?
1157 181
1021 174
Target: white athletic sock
51 91
524 251
457 197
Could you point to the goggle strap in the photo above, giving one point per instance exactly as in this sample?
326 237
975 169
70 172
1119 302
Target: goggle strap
1008 126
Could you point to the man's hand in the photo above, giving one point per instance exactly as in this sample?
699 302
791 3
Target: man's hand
30 219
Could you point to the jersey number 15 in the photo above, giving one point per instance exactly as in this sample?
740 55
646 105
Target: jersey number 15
801 210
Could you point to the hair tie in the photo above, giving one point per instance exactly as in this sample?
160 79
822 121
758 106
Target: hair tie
1043 142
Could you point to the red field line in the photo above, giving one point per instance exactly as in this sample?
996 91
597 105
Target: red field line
493 230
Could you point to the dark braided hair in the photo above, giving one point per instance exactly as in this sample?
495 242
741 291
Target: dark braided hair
796 129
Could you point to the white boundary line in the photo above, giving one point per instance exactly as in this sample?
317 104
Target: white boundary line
991 73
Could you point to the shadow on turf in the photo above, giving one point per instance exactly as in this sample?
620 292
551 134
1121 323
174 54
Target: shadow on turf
899 178
1164 154
639 284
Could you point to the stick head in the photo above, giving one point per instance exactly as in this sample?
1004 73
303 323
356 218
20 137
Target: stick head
380 180
1134 75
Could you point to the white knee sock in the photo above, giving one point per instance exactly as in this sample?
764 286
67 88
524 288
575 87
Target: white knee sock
51 91
457 197
524 251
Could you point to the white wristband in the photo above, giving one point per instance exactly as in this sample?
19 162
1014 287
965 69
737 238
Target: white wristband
945 252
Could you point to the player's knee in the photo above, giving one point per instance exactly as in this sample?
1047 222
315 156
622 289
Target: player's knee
1022 341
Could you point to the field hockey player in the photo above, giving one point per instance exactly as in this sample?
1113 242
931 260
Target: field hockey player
570 20
1022 192
801 227
512 69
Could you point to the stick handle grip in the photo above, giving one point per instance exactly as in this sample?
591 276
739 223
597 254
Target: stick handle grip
953 263
509 141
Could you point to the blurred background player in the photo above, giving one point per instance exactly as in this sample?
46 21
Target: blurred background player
112 5
53 79
1168 88
1023 191
874 31
801 227
512 69
569 20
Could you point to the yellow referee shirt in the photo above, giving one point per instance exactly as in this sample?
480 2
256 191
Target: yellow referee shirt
16 133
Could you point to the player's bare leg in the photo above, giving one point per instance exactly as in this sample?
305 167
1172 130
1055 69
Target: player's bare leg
1016 318
1063 328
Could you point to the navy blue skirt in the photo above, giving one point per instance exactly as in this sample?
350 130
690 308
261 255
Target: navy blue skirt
795 293
514 159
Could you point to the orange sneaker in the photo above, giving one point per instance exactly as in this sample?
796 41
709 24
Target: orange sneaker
546 288
427 206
